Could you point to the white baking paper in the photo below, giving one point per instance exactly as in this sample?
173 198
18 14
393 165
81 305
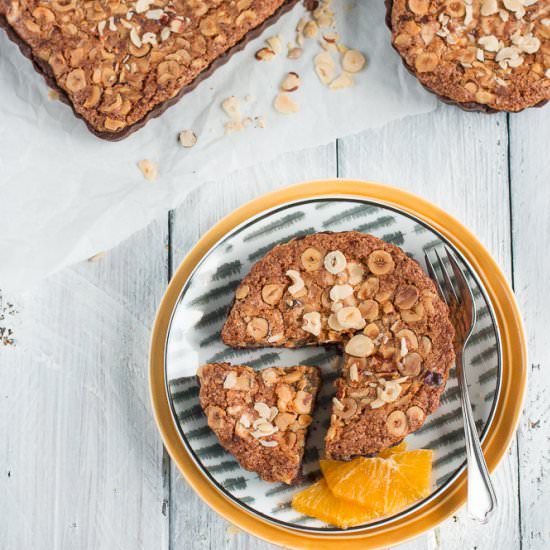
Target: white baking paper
66 195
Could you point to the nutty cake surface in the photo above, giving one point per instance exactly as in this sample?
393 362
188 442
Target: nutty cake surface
370 298
118 62
261 417
481 54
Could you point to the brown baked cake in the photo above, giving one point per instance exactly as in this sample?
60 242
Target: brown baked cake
489 55
369 297
120 62
261 417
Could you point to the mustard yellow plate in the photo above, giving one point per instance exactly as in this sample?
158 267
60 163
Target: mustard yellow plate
185 335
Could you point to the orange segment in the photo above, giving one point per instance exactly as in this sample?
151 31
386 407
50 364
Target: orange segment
412 478
363 480
399 448
319 502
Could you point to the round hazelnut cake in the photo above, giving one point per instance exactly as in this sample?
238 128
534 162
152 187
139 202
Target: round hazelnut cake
377 304
489 55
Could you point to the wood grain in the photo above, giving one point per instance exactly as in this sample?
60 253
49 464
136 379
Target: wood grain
193 525
82 466
460 162
80 460
530 171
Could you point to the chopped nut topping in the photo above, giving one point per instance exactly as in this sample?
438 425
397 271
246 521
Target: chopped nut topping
335 262
312 323
285 105
297 282
148 169
187 138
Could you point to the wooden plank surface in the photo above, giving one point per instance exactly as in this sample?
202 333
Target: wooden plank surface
85 462
80 460
530 170
459 162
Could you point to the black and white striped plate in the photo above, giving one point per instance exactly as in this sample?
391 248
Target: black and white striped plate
194 339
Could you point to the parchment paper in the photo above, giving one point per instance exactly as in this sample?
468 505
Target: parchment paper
66 195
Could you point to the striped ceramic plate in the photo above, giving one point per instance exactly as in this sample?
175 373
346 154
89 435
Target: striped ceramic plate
194 339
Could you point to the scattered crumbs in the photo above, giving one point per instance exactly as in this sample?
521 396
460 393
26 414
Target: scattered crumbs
148 169
534 425
7 317
97 257
53 95
233 530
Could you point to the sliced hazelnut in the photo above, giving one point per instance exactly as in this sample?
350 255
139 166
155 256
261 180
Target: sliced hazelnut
43 15
312 323
356 272
289 439
275 43
272 294
354 373
413 315
311 29
390 392
425 346
348 408
406 297
415 416
297 282
369 310
489 7
303 402
94 95
230 380
304 420
369 288
292 377
426 62
209 26
380 262
350 318
372 331
187 138
241 431
268 443
324 67
360 346
242 383
311 258
285 395
410 365
257 328
341 82
340 292
334 324
397 424
245 421
295 53
419 7
285 105
148 169
284 420
291 82
269 376
263 410
76 80
409 337
265 54
216 416
242 292
335 262
455 8
484 97
353 61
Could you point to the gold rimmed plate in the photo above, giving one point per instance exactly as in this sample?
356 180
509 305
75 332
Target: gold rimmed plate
198 305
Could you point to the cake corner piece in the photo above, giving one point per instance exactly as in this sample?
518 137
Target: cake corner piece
261 417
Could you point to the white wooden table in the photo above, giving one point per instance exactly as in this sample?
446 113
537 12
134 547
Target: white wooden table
81 462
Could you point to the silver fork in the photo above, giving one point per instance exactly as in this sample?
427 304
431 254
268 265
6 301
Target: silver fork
481 494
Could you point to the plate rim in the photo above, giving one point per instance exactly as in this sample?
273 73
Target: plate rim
513 383
264 214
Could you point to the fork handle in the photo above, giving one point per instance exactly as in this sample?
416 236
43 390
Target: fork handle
482 500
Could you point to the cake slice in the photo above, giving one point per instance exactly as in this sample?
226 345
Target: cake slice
118 64
261 417
370 299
